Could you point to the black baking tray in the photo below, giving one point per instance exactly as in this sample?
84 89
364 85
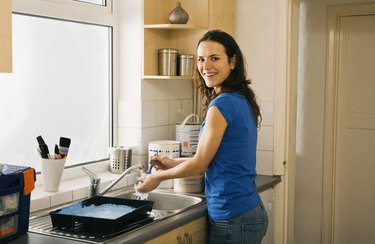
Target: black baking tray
141 210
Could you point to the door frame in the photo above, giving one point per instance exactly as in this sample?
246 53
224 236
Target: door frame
329 161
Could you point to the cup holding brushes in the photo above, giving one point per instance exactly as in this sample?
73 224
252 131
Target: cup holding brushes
53 167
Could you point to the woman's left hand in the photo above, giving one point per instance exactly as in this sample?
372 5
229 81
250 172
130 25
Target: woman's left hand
150 182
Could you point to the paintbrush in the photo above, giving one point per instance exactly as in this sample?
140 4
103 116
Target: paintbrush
64 145
44 152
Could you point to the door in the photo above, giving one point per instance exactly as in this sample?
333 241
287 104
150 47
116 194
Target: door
353 154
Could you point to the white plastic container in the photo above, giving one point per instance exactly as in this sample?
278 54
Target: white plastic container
168 148
188 134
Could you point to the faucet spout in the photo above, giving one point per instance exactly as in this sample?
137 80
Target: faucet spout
126 172
95 182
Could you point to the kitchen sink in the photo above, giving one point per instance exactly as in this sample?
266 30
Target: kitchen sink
166 201
166 204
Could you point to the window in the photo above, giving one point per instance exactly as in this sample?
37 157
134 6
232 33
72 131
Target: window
61 85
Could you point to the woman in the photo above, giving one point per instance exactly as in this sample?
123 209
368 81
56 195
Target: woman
226 151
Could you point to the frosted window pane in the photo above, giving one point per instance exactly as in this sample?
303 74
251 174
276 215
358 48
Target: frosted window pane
60 86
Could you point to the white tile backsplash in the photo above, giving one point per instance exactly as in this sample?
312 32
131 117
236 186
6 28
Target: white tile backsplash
155 116
264 164
172 132
61 198
148 134
175 111
265 138
81 193
75 189
130 137
136 159
162 133
129 114
148 114
186 108
162 113
39 203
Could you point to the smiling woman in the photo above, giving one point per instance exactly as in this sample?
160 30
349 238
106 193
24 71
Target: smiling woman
61 86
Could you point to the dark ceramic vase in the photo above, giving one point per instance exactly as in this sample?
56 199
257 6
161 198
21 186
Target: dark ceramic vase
178 15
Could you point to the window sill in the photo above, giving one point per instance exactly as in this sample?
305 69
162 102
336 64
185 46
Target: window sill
74 189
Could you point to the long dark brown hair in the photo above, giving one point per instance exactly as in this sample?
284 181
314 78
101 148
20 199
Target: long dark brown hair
236 81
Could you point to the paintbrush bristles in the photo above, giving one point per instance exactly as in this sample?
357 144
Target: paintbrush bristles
64 142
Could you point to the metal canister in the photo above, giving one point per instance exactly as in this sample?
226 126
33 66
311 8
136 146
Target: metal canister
120 159
167 61
185 64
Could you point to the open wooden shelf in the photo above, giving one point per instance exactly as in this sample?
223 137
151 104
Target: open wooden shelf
174 27
158 33
160 77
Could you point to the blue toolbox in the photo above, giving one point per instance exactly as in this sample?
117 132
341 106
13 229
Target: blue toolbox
16 184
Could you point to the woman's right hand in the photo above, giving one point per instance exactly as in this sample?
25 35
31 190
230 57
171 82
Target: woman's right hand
164 162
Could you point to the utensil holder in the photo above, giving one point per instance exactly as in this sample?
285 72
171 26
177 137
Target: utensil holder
52 170
120 159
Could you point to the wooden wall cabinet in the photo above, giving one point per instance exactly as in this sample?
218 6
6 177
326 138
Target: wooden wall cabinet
194 232
5 36
159 33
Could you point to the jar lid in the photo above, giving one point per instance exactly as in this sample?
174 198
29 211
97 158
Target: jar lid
168 50
186 56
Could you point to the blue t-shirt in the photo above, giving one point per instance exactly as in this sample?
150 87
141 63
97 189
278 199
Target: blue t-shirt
230 178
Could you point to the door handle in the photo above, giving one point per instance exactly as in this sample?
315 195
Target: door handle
189 237
180 239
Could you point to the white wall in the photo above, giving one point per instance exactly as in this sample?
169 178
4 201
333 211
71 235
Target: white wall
255 34
310 118
255 20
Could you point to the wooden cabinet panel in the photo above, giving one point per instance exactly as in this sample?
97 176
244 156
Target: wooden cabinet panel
220 15
6 36
194 232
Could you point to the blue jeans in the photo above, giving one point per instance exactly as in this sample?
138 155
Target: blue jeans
248 228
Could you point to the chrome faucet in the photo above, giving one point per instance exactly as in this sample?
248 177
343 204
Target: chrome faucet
127 171
95 180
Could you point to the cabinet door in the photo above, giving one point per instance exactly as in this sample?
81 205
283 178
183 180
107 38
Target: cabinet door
169 237
195 231
191 233
5 36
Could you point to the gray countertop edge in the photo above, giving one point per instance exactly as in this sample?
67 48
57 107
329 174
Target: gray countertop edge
265 182
152 230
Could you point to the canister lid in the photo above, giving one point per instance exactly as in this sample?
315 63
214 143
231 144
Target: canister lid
168 50
187 56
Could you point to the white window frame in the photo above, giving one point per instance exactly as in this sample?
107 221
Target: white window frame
86 13
68 10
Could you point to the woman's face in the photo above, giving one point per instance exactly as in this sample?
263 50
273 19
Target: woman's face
213 63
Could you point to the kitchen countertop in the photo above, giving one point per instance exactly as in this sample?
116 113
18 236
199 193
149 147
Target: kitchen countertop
155 229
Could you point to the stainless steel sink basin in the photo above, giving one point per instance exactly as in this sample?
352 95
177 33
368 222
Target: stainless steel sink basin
167 201
166 204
